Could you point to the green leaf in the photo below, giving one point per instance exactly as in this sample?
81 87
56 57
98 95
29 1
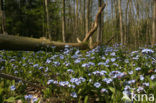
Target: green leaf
86 99
1 90
11 99
112 89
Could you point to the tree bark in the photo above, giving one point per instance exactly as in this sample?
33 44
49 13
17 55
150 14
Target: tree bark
63 20
120 16
8 42
2 15
87 16
154 24
99 32
48 35
90 33
84 21
126 23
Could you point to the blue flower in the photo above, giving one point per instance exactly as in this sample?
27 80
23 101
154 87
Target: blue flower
82 79
16 72
85 65
55 82
101 63
142 77
113 59
46 69
127 88
107 80
140 89
28 96
75 56
35 99
53 57
63 83
131 81
130 72
70 71
146 84
103 90
77 61
72 86
147 51
97 84
75 80
115 64
96 72
50 81
113 54
40 68
53 46
91 64
12 88
90 80
107 61
77 52
138 68
48 61
92 58
61 57
103 58
35 65
66 52
126 61
73 94
56 63
133 53
66 46
153 77
103 72
87 55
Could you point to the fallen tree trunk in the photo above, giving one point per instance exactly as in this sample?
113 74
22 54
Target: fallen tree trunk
8 42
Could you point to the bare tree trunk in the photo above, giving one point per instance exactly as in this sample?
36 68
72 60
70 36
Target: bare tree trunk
70 19
87 17
74 16
154 24
112 16
117 19
126 24
1 31
95 25
120 16
63 20
2 15
47 20
43 23
137 29
90 21
77 18
81 17
99 33
84 16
